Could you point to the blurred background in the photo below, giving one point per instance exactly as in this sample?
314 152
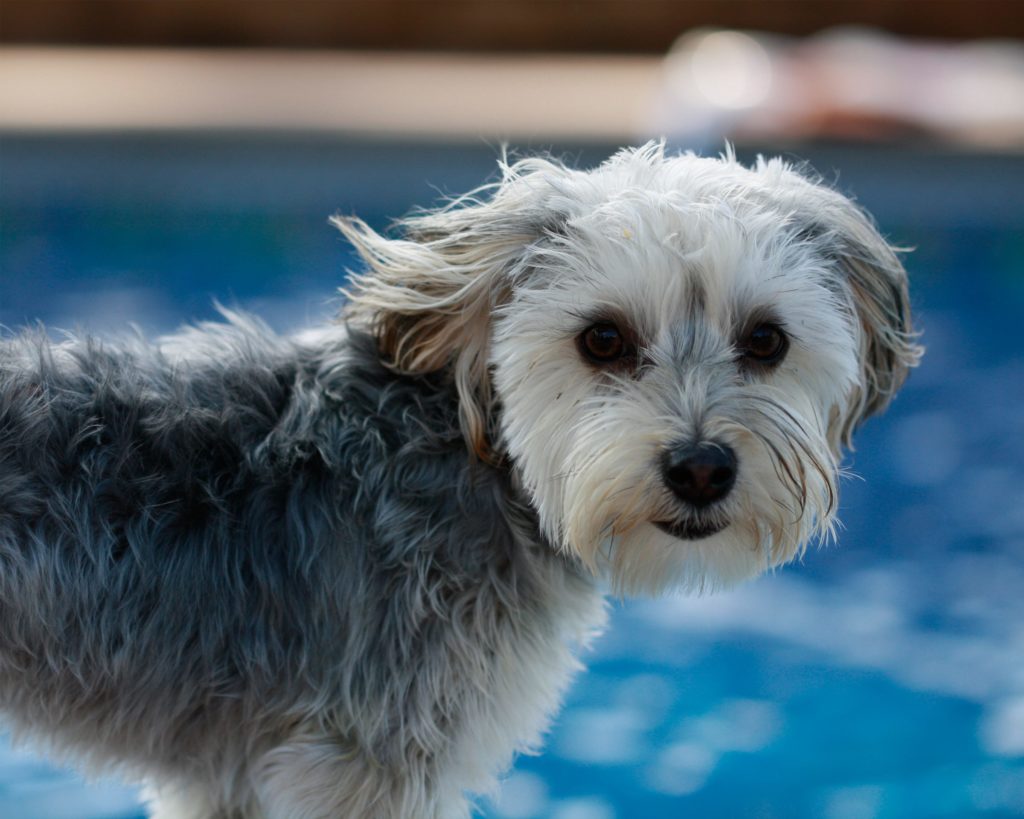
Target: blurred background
157 155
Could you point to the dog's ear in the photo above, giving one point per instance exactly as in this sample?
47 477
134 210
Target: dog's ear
428 296
873 282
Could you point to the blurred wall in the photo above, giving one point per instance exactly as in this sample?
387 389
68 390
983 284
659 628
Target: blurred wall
479 25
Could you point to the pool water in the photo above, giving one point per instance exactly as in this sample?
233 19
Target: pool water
881 677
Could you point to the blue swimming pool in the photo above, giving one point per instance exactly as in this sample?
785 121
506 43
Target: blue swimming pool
882 677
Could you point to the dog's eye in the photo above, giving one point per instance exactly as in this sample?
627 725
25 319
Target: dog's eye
603 343
765 344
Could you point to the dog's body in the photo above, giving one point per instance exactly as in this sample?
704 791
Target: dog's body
343 574
273 572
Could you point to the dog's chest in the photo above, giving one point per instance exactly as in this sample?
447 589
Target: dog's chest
475 621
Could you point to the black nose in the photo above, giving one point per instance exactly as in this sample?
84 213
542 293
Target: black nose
700 475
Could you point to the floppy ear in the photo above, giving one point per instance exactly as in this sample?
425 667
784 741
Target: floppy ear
874 283
428 297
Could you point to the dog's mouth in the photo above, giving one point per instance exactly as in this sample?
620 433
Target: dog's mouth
691 529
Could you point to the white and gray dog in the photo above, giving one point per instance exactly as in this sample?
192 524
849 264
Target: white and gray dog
345 574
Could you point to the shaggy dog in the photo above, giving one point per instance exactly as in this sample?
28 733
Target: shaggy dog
345 574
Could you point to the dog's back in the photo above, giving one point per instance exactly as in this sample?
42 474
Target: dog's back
148 569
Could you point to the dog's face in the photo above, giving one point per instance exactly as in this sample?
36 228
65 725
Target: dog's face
669 352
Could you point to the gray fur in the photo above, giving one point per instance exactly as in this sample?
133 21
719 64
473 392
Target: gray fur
202 560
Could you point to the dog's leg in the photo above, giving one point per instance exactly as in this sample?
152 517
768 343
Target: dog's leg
177 801
321 779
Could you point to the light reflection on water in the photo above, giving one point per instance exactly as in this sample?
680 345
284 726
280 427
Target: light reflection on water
883 677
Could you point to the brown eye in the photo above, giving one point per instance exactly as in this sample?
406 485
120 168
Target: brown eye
765 344
603 343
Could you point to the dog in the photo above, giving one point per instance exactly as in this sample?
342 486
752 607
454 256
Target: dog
348 573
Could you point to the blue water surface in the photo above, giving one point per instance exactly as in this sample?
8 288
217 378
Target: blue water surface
882 677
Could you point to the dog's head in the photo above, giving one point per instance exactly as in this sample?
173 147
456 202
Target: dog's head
669 351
